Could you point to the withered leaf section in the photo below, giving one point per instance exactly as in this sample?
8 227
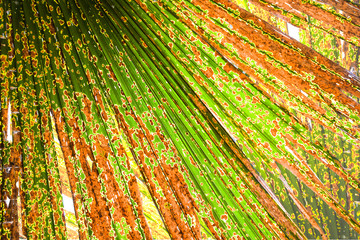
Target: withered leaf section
184 119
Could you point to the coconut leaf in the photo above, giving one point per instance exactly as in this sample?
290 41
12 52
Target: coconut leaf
184 119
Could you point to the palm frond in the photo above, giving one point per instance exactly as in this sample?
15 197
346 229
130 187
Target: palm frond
184 119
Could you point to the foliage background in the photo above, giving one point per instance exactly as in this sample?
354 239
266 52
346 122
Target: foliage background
187 119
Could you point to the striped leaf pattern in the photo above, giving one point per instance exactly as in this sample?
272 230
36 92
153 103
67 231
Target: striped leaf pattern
183 119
